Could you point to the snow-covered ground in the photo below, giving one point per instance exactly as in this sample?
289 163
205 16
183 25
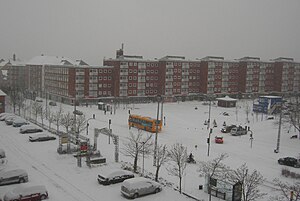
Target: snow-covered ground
184 124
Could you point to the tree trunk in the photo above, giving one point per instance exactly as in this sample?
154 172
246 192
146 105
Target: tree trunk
135 162
156 174
180 181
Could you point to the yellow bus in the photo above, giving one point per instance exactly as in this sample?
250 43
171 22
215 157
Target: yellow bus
144 123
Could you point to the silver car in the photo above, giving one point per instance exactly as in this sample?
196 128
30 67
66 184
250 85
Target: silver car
135 187
13 176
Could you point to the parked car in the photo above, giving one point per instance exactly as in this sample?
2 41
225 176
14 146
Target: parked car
289 161
13 176
20 192
41 137
18 122
227 129
9 120
39 100
219 140
30 129
135 187
52 103
5 115
114 176
2 153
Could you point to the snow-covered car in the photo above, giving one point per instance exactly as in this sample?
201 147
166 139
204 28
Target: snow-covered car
5 115
2 153
13 176
30 129
114 176
9 120
289 161
135 187
19 122
26 191
219 140
41 137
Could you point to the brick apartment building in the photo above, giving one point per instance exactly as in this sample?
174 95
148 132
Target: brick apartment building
133 77
63 80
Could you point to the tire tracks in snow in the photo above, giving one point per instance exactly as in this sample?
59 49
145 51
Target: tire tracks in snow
57 180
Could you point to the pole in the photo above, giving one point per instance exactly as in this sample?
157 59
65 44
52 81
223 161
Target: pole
87 128
109 122
156 132
279 130
208 127
143 157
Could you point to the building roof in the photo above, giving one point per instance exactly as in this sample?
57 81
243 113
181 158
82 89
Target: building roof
50 60
2 93
227 98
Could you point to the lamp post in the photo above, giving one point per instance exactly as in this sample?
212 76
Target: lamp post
87 124
143 157
279 128
156 131
208 127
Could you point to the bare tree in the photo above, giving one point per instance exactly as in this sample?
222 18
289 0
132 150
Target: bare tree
80 123
57 117
20 101
213 168
288 192
293 114
247 111
136 145
36 108
67 121
178 154
51 119
161 158
250 182
42 114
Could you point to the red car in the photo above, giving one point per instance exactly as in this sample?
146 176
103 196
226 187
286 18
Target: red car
219 140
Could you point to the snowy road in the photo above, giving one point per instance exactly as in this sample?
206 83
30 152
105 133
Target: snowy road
64 181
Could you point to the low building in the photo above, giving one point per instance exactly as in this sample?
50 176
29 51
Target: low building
226 102
267 104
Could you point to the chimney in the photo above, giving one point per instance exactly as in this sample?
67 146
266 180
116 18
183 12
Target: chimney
120 52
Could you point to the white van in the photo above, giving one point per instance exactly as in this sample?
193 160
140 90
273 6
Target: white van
13 176
135 187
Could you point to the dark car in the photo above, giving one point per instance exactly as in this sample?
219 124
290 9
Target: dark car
227 129
289 161
41 137
115 176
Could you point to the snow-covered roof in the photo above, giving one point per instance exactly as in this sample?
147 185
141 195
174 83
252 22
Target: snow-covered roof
270 97
50 60
173 58
227 98
2 93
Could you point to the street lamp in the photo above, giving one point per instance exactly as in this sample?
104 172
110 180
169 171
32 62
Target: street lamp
87 124
158 97
143 157
279 128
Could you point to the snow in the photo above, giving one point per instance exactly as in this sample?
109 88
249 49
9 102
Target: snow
67 182
2 93
48 60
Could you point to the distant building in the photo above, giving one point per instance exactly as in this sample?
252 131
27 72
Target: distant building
2 101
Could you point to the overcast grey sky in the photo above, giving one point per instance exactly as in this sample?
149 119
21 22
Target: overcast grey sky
94 29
